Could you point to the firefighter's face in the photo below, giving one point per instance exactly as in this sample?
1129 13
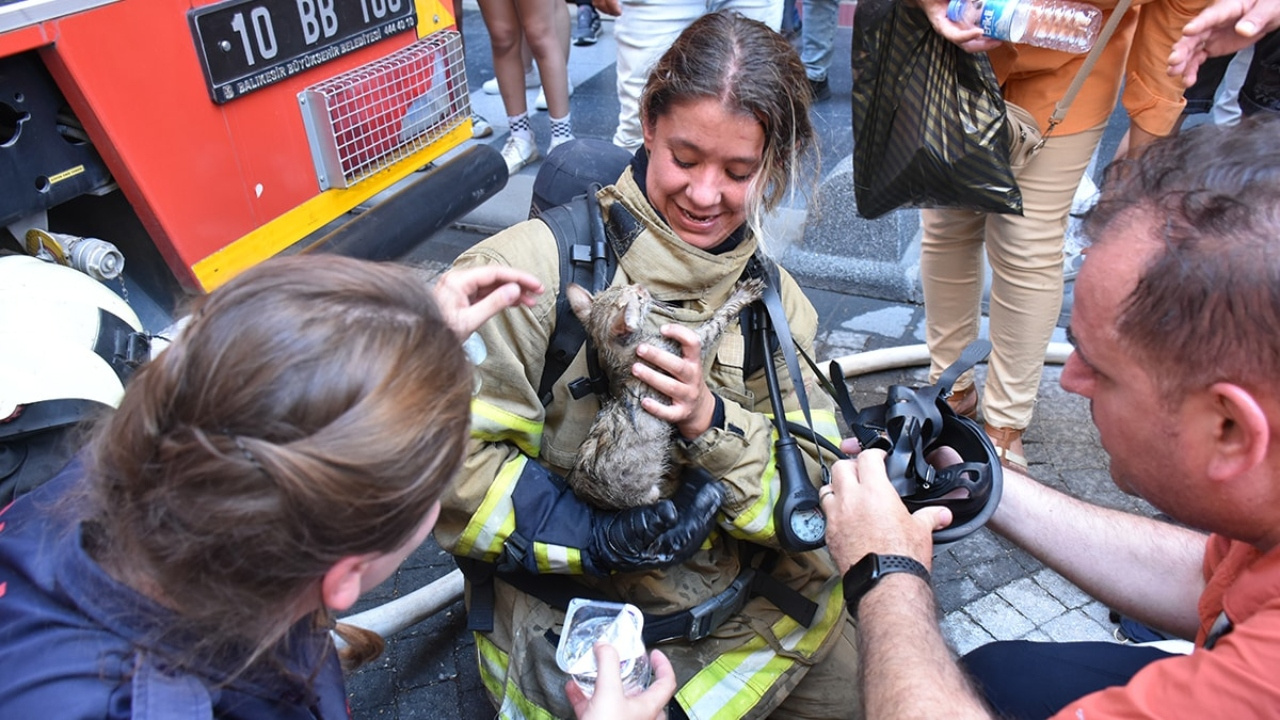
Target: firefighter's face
703 159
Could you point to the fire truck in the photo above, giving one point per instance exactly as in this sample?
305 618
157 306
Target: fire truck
153 149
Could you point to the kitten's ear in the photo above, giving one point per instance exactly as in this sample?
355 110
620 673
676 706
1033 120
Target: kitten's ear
620 326
579 301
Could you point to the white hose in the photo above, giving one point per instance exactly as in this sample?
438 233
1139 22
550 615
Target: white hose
392 617
870 361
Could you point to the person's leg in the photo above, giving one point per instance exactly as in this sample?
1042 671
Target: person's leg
546 29
503 23
951 275
818 37
768 12
562 24
1226 101
1024 680
1025 253
644 30
586 28
1261 89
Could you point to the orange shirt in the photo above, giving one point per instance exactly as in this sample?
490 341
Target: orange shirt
1238 678
1136 56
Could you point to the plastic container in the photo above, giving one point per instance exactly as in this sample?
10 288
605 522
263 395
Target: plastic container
1054 24
590 621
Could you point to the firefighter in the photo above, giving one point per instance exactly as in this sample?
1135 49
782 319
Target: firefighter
751 630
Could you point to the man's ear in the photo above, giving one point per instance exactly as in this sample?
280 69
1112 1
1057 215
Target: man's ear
1241 432
340 586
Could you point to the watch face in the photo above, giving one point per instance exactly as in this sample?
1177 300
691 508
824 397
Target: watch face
808 525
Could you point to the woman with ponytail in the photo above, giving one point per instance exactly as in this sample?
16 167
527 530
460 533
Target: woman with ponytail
283 456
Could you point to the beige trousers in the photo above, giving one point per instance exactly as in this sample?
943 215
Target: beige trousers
1025 254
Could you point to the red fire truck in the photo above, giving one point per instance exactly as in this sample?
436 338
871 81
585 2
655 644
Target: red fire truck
163 146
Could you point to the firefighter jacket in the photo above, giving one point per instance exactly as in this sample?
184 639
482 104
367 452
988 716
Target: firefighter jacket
744 666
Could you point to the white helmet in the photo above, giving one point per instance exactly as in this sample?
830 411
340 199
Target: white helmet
67 344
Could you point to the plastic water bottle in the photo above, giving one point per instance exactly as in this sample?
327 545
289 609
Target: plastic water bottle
1054 24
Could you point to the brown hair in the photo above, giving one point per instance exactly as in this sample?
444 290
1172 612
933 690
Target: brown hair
748 68
314 408
1207 307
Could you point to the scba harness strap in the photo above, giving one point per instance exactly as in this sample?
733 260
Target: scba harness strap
691 625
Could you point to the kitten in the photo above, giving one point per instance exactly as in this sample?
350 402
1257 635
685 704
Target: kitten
624 459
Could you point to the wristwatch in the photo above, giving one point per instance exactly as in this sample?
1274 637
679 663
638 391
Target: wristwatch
865 573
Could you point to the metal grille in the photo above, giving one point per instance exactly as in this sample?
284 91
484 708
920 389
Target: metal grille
369 118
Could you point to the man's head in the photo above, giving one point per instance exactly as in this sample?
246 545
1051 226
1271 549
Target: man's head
1177 315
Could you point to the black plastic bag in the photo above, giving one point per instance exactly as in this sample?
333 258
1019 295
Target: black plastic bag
929 125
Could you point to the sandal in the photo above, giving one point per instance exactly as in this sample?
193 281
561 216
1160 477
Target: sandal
965 402
1008 443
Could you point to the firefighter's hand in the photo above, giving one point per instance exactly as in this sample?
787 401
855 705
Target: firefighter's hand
660 535
469 296
691 405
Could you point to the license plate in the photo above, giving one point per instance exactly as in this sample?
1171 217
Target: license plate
247 45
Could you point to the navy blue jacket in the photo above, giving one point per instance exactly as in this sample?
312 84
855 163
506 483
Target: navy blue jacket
74 643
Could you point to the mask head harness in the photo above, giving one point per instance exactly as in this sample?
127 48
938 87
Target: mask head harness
911 425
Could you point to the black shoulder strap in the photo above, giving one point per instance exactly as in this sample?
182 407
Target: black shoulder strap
583 249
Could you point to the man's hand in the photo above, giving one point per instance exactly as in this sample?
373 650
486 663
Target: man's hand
608 7
469 296
968 36
865 514
1222 28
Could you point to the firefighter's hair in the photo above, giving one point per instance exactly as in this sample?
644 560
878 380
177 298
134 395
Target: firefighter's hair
314 408
751 70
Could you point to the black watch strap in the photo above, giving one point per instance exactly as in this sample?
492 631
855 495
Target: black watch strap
866 573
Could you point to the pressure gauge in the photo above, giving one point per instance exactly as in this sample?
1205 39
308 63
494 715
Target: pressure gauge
808 525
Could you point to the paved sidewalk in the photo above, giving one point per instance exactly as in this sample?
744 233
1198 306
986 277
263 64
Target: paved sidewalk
987 589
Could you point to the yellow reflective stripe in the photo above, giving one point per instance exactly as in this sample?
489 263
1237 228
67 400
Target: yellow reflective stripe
824 421
735 682
557 558
757 520
493 665
494 521
493 424
493 673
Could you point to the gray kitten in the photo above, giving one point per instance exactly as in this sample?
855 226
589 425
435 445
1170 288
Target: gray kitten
624 459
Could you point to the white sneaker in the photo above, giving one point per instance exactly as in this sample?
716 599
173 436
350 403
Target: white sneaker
479 126
541 102
531 80
518 152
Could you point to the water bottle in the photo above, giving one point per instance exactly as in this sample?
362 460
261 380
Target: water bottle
1054 24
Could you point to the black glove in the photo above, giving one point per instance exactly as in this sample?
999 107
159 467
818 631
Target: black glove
663 534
